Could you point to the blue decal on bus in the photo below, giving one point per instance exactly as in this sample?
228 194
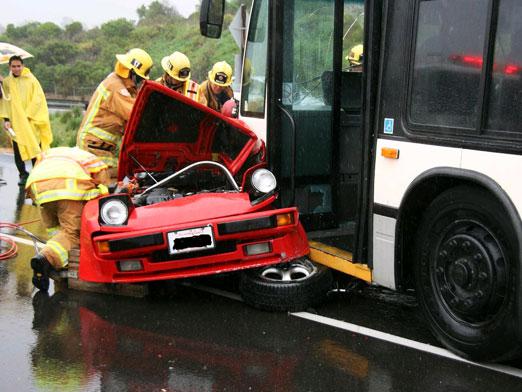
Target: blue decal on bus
388 126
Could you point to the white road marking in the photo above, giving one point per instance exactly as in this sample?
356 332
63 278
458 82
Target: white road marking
211 290
346 326
23 240
403 342
428 348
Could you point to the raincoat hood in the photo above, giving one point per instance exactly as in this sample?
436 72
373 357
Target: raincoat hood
168 131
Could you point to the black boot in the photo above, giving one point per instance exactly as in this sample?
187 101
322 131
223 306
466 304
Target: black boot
41 269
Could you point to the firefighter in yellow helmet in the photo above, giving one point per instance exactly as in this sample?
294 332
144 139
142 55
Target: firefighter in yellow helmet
102 127
216 90
61 182
177 75
355 58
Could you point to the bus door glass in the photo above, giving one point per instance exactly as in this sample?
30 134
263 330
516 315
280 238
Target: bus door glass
327 130
307 54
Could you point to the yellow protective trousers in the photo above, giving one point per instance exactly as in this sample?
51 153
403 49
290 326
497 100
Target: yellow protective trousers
62 219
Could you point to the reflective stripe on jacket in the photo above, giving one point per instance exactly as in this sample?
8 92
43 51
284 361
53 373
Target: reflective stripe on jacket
65 173
108 110
189 89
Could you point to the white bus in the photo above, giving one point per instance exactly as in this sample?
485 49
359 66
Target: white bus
406 174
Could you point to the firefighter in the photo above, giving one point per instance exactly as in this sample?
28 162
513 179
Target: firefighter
102 126
177 75
61 182
355 58
216 90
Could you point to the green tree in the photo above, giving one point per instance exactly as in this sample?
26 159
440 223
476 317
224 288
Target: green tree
57 52
117 29
158 12
72 30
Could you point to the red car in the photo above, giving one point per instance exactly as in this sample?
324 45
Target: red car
197 200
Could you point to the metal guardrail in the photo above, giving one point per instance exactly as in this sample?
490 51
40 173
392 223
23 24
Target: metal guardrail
66 104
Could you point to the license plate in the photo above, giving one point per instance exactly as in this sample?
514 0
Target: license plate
190 240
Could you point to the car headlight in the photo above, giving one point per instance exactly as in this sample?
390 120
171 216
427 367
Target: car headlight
114 212
263 181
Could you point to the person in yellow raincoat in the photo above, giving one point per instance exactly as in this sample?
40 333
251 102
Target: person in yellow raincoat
104 121
216 90
26 117
61 182
177 75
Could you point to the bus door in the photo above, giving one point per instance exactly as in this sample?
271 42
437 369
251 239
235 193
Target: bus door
314 113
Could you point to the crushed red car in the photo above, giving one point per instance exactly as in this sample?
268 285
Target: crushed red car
195 198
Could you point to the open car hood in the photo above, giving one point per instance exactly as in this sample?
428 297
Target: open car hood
168 131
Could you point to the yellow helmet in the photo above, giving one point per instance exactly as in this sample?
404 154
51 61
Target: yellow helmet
138 60
356 55
221 74
177 65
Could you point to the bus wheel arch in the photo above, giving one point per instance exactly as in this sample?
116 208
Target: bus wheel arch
420 194
457 220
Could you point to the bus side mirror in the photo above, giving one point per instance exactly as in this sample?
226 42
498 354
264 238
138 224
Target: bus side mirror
211 18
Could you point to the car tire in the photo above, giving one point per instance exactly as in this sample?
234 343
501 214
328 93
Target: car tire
465 271
292 286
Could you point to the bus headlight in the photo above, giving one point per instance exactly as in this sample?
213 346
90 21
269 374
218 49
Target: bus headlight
114 212
263 181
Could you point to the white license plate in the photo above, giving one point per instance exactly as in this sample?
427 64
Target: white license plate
190 240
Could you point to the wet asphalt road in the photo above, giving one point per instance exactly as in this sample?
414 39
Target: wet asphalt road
189 339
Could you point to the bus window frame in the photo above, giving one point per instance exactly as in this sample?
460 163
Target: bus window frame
478 137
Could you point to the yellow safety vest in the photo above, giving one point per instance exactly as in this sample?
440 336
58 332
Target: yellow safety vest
65 173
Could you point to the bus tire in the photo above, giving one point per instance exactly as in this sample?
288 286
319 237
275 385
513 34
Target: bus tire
291 286
465 272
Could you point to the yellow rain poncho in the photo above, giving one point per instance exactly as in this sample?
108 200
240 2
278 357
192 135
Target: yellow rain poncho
25 106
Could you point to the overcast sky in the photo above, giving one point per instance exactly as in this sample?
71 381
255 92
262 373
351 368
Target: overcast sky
89 12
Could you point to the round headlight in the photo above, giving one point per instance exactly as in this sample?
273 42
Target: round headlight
263 181
114 212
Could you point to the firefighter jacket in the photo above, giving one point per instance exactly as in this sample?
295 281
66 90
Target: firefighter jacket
65 173
24 104
108 111
189 88
208 98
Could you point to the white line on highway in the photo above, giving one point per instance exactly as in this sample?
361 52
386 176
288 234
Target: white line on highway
212 290
374 334
346 326
403 342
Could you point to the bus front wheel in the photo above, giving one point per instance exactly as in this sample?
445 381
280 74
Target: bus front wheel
465 274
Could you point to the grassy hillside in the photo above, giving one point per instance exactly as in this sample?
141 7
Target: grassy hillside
73 61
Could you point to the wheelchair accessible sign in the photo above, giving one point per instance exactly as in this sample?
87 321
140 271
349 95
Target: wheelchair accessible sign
388 126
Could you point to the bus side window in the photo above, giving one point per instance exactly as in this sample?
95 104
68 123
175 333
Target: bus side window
505 101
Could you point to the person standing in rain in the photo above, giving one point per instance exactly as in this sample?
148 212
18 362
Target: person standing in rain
102 127
216 90
177 75
26 117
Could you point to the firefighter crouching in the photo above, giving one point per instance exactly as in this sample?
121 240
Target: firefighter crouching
109 109
216 90
61 182
177 75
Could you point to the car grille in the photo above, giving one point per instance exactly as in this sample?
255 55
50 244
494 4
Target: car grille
221 247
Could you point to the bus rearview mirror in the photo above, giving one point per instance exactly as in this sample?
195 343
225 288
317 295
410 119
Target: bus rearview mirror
211 18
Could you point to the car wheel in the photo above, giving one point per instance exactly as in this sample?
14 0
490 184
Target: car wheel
291 286
465 274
